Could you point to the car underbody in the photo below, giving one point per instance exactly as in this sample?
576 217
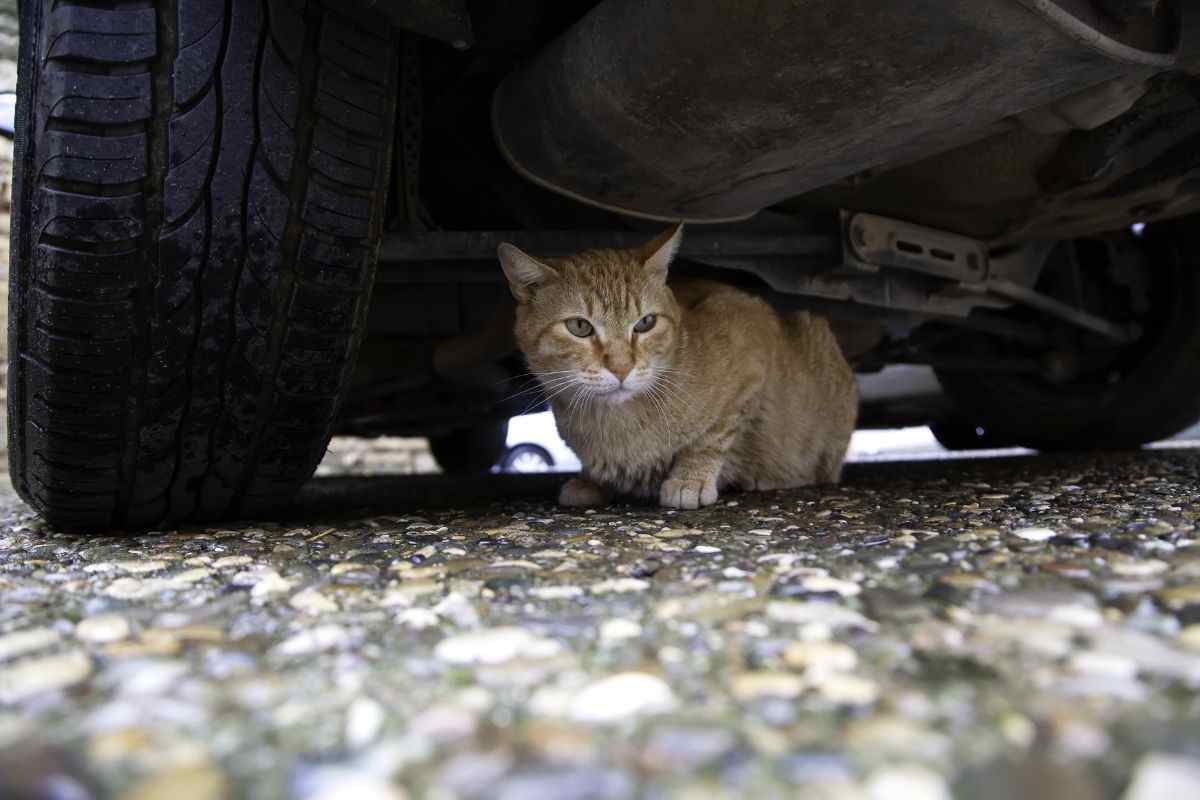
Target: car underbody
958 237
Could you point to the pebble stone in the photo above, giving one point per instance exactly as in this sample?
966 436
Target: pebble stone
1034 534
1161 775
103 628
183 783
820 656
750 686
908 781
314 640
620 697
22 642
43 674
618 630
311 601
495 646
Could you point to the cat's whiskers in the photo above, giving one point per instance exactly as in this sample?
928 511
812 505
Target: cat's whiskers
559 391
514 378
554 389
569 411
582 401
542 385
675 391
654 395
540 379
537 377
586 408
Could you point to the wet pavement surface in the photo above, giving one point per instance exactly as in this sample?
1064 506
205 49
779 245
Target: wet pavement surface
975 629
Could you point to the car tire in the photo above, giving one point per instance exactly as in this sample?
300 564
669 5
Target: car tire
516 458
469 451
1153 395
198 201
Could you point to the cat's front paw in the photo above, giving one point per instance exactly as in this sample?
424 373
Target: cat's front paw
687 493
580 492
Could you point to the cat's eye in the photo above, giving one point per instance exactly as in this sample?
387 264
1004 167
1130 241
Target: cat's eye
580 327
645 323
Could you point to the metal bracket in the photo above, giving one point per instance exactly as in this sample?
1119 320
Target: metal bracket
879 241
873 240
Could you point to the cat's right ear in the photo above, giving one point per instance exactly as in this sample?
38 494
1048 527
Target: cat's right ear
524 272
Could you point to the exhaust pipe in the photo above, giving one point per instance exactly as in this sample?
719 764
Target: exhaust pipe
711 111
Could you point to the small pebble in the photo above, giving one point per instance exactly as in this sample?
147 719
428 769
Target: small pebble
495 646
749 686
364 719
140 567
26 641
182 783
619 630
620 697
1034 534
29 677
820 656
227 562
907 782
830 614
269 584
103 628
314 640
311 601
846 689
556 592
1160 776
620 586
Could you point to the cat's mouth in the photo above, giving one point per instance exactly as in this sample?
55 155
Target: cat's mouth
620 395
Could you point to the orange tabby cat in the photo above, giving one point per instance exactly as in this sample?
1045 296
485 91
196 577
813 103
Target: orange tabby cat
677 392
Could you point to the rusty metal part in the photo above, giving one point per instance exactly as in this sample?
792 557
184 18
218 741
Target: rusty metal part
446 20
701 111
878 241
1032 298
895 244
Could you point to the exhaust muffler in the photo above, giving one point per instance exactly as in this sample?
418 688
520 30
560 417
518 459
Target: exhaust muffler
712 110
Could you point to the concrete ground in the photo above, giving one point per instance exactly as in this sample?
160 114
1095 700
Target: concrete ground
1020 627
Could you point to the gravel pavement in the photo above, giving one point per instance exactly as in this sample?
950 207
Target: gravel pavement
1025 627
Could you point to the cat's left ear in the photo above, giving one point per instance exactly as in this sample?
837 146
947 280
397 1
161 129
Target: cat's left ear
659 253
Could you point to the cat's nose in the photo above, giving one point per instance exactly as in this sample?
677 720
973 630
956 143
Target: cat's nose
620 371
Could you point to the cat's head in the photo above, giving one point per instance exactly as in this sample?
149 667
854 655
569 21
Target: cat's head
601 322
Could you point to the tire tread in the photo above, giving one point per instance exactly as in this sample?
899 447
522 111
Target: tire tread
173 360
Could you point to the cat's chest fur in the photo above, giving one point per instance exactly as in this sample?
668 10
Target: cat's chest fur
619 450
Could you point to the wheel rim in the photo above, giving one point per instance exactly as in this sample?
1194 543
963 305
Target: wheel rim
528 462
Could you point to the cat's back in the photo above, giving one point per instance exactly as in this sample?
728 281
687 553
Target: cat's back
812 348
717 310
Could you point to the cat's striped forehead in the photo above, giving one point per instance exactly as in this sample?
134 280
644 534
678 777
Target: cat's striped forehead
607 281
